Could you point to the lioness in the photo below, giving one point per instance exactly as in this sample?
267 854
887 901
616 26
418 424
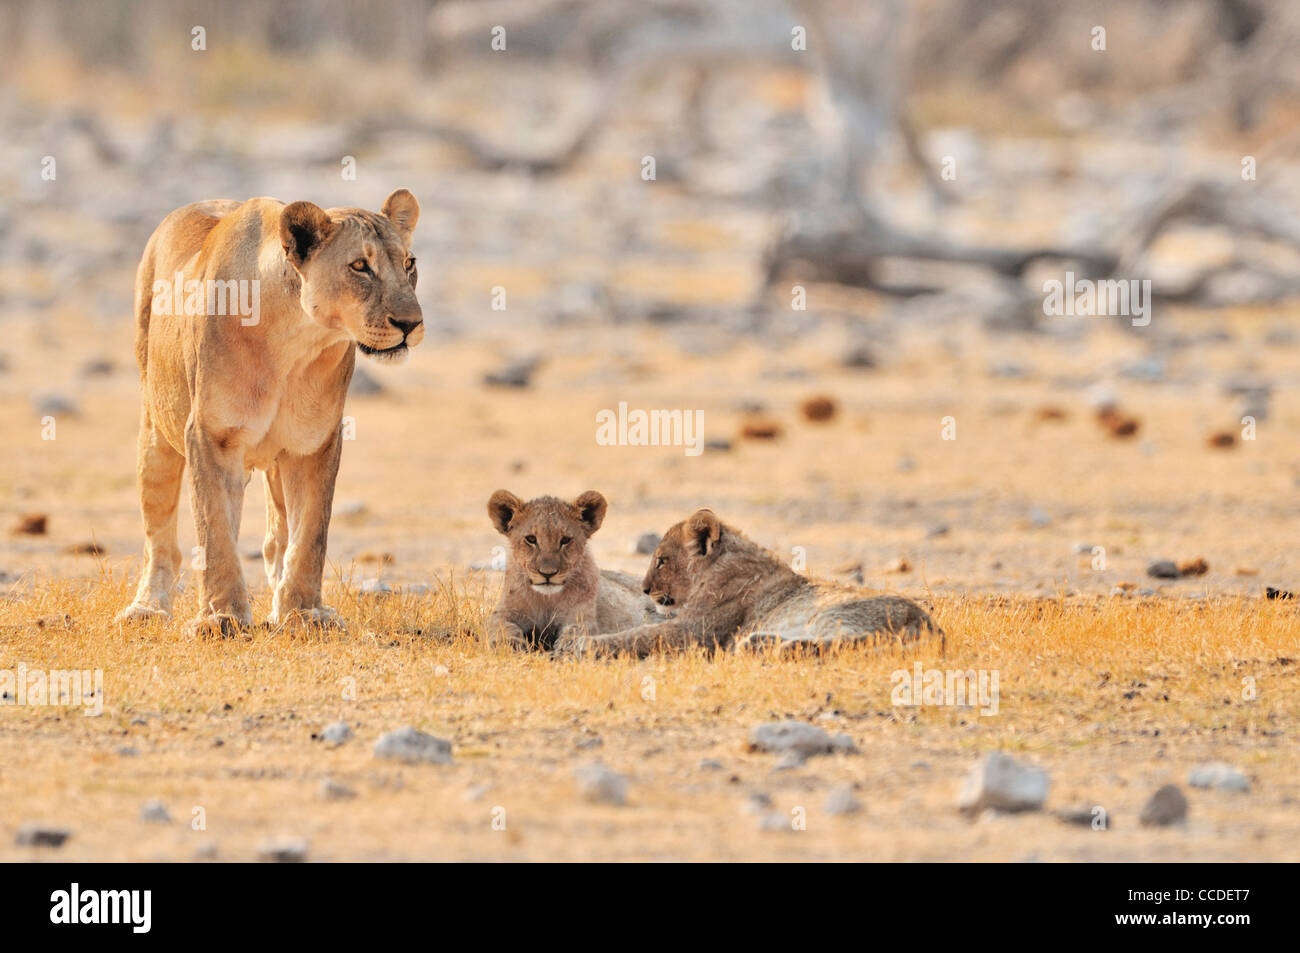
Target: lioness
729 592
553 588
261 388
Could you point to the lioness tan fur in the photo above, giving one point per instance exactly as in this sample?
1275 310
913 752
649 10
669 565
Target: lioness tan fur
553 588
731 593
227 393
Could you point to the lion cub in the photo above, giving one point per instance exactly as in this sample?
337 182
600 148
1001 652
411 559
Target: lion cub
730 592
552 586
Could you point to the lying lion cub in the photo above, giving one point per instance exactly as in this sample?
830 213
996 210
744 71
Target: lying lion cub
553 588
730 592
249 316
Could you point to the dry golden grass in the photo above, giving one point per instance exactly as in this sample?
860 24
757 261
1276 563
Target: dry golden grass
1113 697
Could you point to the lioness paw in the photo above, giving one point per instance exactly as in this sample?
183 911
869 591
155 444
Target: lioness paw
216 625
320 617
140 611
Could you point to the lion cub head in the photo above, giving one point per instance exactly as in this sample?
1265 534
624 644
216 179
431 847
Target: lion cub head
684 554
548 537
357 271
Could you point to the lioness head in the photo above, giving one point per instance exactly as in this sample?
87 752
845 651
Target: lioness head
685 551
548 537
358 274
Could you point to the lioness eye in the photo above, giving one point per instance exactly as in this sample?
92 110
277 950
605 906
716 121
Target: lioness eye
661 560
410 264
566 540
530 540
359 265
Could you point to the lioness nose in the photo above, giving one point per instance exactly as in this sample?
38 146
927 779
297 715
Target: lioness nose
646 590
406 326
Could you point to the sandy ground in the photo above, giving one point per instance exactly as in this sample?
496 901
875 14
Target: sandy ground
1113 695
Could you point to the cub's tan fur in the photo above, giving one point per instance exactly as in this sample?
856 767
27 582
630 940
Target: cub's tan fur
729 592
553 588
226 393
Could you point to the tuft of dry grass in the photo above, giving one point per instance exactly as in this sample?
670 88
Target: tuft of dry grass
1113 696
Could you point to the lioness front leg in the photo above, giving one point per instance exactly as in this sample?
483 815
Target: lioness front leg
308 485
641 641
216 469
502 631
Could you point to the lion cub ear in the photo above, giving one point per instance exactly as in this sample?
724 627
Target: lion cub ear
503 508
706 529
303 226
591 510
403 211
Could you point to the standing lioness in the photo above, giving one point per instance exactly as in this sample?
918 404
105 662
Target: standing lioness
248 318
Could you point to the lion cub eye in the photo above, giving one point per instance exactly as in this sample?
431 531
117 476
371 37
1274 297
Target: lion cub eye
530 539
566 540
360 265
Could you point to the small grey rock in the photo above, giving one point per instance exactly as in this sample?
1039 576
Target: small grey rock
1004 784
757 803
599 785
710 764
790 760
413 746
1038 517
517 373
796 736
1163 569
584 744
647 543
336 733
53 404
331 790
1167 806
1219 776
376 587
283 851
40 835
155 812
841 800
774 821
126 751
1078 816
939 529
717 445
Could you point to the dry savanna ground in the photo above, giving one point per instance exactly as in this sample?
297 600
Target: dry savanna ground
1113 695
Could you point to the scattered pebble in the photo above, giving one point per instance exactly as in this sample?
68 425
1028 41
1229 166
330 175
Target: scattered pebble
939 529
155 812
760 429
286 851
51 404
376 587
1163 569
1221 440
710 764
331 790
336 733
1220 776
796 736
1193 567
841 800
599 785
38 835
1079 816
412 746
717 445
1167 806
774 821
819 409
899 565
517 373
1001 782
32 524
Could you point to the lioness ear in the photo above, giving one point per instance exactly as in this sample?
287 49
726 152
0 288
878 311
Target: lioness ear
591 509
303 226
403 211
705 528
502 509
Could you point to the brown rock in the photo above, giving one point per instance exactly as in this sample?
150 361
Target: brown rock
32 524
1222 440
760 429
1193 567
819 409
